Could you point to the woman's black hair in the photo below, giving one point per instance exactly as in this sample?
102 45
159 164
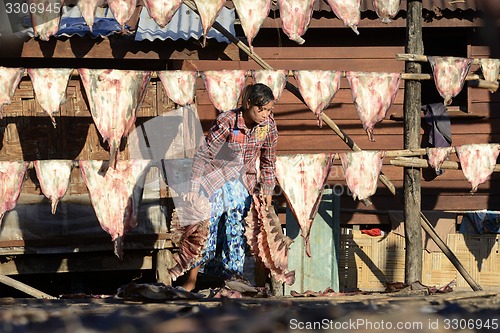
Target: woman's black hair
257 94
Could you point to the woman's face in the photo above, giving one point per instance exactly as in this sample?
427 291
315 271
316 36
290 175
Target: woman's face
258 114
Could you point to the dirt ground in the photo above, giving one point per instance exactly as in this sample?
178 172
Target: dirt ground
463 311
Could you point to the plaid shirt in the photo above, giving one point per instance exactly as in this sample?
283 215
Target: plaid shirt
231 149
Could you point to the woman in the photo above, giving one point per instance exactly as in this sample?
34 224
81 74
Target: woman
224 170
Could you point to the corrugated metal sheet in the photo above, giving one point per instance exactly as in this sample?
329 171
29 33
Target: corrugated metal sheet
183 25
72 23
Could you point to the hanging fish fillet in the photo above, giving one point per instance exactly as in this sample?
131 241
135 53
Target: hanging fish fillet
208 11
54 177
373 94
449 75
267 242
436 156
9 79
349 11
161 11
180 86
224 87
478 162
274 79
122 10
490 69
295 17
114 98
386 9
190 231
318 87
11 180
361 170
46 21
252 14
115 195
50 86
88 9
302 178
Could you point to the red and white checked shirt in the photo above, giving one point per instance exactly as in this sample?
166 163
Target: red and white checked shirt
231 149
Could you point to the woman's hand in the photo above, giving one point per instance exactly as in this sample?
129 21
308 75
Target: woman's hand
191 197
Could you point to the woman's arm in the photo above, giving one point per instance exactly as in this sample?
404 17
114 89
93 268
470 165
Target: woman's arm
268 162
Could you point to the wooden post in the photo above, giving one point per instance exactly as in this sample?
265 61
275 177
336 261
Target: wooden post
412 104
164 261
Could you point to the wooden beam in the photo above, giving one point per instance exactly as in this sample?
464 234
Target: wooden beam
423 77
406 152
164 261
83 244
492 86
24 288
118 47
411 185
423 58
77 262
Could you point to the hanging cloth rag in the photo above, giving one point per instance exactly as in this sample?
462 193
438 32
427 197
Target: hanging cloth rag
439 130
437 118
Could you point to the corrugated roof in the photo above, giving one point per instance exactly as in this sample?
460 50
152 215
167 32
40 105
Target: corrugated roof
183 25
72 23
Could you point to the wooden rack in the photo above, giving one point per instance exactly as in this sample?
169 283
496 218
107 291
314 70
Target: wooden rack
473 79
424 58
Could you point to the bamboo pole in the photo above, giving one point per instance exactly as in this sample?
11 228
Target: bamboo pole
426 225
469 78
424 58
388 153
80 199
421 163
75 73
405 152
490 85
404 76
474 80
